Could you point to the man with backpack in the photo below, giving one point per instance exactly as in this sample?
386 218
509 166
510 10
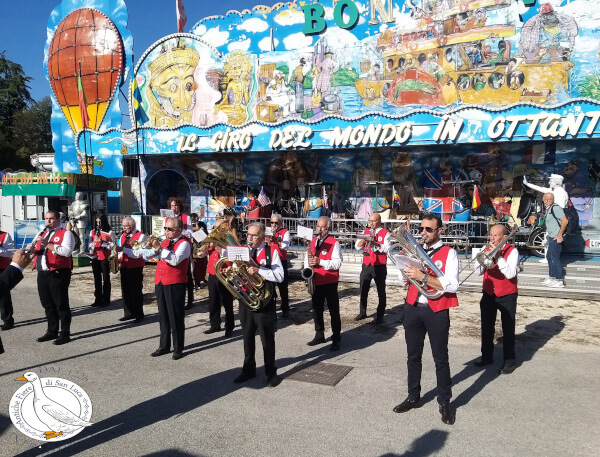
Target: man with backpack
556 224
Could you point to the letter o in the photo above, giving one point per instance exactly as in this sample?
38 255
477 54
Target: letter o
496 128
352 11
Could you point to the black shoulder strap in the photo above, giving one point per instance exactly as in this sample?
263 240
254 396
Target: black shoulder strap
268 255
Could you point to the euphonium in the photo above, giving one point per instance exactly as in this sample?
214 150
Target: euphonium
113 261
410 248
248 289
487 257
307 274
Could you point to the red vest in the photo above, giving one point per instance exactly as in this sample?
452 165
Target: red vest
214 255
445 301
101 252
282 252
495 283
321 275
4 261
54 261
168 274
131 262
376 258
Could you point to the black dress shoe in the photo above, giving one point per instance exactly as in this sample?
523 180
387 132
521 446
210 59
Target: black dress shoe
481 362
509 366
95 305
244 377
213 330
285 314
63 339
447 414
7 325
126 318
360 317
335 346
407 405
159 352
46 337
139 319
188 306
1 349
316 341
104 305
379 320
177 355
274 381
228 333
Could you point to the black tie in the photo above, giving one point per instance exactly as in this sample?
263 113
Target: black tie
38 264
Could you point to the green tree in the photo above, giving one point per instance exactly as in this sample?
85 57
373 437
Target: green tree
32 132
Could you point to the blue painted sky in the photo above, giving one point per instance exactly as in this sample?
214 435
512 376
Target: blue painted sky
23 28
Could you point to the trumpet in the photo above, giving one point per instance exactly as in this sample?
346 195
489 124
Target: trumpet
308 273
136 244
369 244
199 251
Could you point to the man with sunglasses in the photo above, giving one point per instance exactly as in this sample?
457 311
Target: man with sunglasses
374 266
171 280
281 237
132 271
430 316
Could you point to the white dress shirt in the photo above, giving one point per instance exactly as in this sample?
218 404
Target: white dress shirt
172 257
275 273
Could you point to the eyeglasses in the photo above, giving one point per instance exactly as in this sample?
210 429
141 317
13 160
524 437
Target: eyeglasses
253 235
170 229
427 229
274 222
126 226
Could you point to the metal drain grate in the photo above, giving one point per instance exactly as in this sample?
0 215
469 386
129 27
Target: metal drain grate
328 374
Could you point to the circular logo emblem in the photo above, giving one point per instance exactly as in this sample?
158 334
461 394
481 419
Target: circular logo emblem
56 239
379 239
61 410
323 252
439 264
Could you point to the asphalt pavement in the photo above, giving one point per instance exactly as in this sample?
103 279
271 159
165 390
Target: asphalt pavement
146 406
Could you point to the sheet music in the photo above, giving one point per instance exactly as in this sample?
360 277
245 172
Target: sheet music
199 235
403 262
238 253
305 232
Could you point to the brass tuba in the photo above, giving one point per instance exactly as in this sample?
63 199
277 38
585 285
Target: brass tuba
408 246
487 257
248 289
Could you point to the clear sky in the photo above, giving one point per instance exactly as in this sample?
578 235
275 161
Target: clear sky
23 28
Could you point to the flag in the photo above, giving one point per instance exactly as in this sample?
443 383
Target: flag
181 17
262 198
476 198
136 97
325 198
396 197
85 119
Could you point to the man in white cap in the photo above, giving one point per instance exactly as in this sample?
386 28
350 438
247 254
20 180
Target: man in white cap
557 188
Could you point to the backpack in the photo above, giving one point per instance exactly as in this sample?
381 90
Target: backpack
572 218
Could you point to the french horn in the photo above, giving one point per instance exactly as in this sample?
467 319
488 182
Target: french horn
405 244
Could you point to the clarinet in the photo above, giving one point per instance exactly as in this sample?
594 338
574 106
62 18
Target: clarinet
33 243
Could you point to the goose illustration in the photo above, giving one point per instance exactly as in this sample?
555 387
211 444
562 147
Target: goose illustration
52 414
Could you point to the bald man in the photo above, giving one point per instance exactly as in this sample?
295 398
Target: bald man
499 294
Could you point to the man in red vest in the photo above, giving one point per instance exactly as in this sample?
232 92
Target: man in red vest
53 249
499 294
325 258
171 280
175 204
374 265
281 237
12 274
132 271
430 316
266 263
6 307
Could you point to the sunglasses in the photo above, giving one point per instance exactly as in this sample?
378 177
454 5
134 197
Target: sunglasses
274 222
170 229
427 229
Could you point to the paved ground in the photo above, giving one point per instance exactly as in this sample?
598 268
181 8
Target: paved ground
145 406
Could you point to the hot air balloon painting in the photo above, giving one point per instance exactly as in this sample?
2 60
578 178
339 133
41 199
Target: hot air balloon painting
86 44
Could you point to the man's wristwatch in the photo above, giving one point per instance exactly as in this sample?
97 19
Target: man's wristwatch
424 280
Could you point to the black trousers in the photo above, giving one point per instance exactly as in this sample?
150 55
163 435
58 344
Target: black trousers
219 296
53 289
190 283
101 271
283 288
131 289
6 308
377 273
329 293
266 324
419 321
489 305
171 315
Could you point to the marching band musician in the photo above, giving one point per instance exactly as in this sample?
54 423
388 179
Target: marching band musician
175 204
326 260
199 263
281 237
267 263
374 265
171 280
132 271
423 316
6 306
53 250
499 294
102 242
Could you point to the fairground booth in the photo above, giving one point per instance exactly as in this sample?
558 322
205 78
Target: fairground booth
341 108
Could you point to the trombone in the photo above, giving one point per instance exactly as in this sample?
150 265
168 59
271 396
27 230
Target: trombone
487 257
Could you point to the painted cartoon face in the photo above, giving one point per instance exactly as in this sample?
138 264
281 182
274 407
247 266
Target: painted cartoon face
174 89
570 169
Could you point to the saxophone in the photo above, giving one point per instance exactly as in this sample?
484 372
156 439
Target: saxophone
308 275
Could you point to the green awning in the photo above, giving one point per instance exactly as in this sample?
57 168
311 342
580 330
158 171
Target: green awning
44 190
53 184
